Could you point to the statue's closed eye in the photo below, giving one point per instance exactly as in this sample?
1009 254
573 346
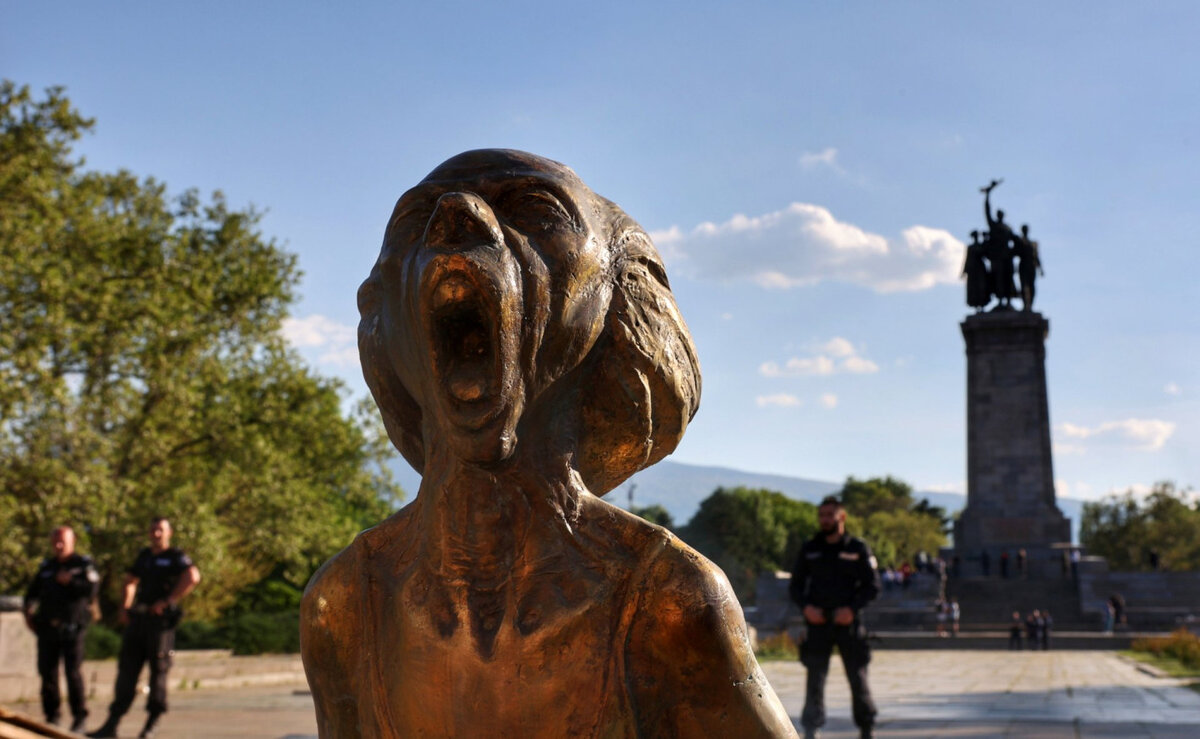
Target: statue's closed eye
537 211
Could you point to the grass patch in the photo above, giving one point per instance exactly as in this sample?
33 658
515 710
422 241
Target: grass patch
1169 665
777 647
1178 655
1181 646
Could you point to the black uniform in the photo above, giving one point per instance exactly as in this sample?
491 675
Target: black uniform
61 621
832 576
149 638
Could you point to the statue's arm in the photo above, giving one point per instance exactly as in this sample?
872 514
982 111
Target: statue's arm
329 644
987 208
688 659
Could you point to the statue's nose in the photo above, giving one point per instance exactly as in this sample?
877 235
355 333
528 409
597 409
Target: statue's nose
462 221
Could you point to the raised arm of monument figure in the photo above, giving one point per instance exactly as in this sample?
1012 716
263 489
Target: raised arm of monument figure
987 205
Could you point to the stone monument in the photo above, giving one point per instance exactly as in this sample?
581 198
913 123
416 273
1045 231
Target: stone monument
521 340
1010 472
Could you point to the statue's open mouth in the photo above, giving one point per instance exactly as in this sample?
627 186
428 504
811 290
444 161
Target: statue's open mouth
462 328
462 340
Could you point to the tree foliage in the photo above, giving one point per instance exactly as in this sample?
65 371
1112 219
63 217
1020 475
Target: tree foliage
882 511
655 514
747 531
142 373
1124 529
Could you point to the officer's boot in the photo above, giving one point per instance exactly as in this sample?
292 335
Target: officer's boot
148 729
108 730
812 733
78 723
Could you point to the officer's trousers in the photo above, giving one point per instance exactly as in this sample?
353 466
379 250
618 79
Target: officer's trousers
63 643
146 639
815 651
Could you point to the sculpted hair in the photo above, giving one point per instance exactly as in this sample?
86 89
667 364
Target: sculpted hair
645 379
639 385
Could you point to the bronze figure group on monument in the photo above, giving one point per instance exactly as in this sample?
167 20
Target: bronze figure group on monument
989 261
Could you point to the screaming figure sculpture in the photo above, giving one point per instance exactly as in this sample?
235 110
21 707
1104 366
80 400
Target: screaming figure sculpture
522 343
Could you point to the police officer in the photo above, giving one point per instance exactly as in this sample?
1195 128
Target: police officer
158 579
834 578
57 609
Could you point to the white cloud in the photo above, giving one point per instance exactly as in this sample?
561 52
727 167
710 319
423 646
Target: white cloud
835 356
1172 389
1060 448
338 341
796 367
1146 434
316 330
859 366
344 357
959 486
1079 489
829 400
804 244
779 400
826 157
838 347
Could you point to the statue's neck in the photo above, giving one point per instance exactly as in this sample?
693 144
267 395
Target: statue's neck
478 522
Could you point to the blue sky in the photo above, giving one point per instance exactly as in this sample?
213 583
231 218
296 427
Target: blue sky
835 149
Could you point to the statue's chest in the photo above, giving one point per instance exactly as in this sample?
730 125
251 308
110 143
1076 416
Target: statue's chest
503 671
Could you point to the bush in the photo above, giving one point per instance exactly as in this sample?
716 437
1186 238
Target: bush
263 633
200 635
1182 646
101 642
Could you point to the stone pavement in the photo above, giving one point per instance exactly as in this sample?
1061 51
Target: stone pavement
920 694
1004 694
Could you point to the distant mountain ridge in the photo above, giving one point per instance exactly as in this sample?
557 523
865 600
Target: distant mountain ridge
681 487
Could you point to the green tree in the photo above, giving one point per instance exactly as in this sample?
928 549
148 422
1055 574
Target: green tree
1123 529
655 514
747 531
882 510
142 373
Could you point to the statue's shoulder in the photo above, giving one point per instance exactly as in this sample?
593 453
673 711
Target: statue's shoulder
680 579
328 606
688 661
329 611
334 638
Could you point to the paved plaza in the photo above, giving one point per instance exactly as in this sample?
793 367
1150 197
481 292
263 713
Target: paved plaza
1004 694
920 694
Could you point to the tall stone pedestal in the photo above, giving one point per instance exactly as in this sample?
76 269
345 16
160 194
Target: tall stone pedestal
1010 475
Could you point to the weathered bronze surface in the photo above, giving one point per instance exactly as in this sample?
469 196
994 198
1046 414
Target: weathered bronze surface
522 343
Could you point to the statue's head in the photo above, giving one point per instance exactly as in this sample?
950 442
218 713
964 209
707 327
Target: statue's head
974 236
1024 229
999 215
512 306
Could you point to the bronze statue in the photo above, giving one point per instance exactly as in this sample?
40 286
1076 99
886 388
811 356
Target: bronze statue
522 343
975 270
999 252
1029 265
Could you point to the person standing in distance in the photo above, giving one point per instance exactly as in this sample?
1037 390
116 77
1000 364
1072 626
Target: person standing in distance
155 583
834 578
57 608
